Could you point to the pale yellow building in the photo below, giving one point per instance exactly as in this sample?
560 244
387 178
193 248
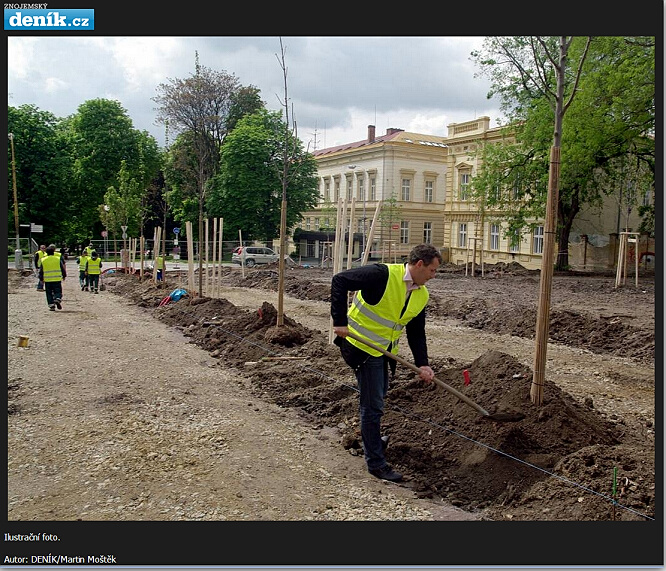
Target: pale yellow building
426 180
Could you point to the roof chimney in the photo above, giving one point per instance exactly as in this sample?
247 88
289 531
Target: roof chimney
371 133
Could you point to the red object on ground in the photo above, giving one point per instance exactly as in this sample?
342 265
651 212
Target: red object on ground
466 375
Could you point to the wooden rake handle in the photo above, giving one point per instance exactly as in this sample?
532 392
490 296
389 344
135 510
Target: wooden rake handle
414 368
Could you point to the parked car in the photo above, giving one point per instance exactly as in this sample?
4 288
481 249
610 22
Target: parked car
252 255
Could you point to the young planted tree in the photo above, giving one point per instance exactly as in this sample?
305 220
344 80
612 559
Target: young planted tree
538 69
389 216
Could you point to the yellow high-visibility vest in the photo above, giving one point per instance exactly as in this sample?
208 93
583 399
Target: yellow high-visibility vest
94 266
51 267
382 323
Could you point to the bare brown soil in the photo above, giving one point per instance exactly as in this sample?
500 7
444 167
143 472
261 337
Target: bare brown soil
587 453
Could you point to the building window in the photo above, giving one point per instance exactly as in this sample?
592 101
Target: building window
517 187
404 232
462 235
494 195
349 188
307 223
538 240
327 192
361 189
494 236
514 243
428 191
647 198
337 190
316 223
427 232
373 189
405 188
464 186
310 249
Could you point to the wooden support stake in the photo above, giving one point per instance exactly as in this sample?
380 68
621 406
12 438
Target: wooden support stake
212 294
350 245
371 235
206 233
221 257
190 257
242 257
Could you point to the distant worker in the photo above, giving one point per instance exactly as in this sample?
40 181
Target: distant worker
82 260
88 249
52 271
37 259
160 264
93 271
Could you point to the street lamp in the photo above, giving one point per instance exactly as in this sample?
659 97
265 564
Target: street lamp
353 168
106 230
18 254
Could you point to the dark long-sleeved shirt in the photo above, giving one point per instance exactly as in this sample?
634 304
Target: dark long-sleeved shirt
371 281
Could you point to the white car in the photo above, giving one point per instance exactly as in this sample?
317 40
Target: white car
253 255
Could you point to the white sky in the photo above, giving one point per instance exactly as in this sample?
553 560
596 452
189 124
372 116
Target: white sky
337 85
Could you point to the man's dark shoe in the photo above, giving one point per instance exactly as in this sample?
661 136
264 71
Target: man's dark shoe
51 307
386 473
385 441
57 302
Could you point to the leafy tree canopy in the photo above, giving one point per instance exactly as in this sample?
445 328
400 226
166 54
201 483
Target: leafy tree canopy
247 191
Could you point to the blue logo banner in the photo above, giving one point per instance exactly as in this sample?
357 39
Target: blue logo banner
65 19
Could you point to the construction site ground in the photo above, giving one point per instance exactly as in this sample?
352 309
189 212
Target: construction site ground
203 409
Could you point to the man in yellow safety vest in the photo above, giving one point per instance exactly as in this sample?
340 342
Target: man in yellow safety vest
93 271
389 298
39 254
52 271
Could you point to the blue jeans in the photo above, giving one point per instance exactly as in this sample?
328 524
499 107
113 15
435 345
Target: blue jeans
373 382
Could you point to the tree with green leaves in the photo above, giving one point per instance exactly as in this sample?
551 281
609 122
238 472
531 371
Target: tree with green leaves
247 191
200 106
610 120
389 215
43 165
124 203
245 101
102 137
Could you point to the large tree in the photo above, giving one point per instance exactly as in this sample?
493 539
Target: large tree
199 105
609 125
43 166
102 137
247 191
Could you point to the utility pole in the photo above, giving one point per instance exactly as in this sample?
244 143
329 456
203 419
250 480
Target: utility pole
18 254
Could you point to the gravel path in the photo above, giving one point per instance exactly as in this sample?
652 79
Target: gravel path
115 416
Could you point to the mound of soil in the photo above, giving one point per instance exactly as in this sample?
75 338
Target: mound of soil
562 461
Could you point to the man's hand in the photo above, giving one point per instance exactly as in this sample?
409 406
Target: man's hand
426 374
341 331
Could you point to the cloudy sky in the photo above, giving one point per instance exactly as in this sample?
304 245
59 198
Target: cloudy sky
337 85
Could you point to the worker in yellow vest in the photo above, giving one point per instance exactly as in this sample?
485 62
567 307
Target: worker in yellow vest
160 264
52 271
82 260
389 299
39 254
93 271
